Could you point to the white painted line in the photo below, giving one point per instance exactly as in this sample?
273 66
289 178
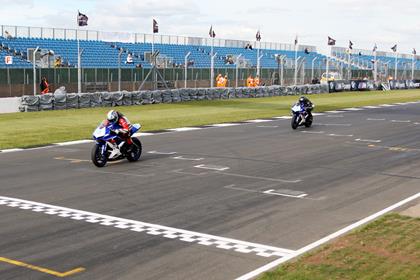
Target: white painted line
161 153
313 132
416 123
334 112
340 135
371 107
400 121
74 143
182 129
318 114
404 103
274 192
334 116
268 192
368 140
191 159
334 124
284 118
258 121
326 239
11 150
225 124
386 105
147 228
353 109
142 134
268 126
212 167
371 119
261 178
180 171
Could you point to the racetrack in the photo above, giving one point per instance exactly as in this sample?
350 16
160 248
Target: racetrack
211 203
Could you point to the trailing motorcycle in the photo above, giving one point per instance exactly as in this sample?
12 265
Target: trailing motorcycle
111 147
301 116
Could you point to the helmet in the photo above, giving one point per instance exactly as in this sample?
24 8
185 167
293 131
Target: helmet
302 99
112 116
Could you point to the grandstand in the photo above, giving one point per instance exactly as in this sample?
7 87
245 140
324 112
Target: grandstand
100 54
103 53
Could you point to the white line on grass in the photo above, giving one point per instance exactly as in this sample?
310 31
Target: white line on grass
326 239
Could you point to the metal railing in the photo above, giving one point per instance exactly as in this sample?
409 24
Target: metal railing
73 34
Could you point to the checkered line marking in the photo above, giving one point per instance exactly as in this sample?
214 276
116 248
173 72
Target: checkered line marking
191 237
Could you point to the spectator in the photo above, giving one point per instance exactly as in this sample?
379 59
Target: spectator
44 86
8 35
219 80
57 62
225 81
257 81
315 81
250 81
139 65
129 59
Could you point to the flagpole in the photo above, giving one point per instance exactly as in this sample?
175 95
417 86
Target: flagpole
258 57
79 70
328 64
396 65
412 66
349 65
296 62
375 67
212 63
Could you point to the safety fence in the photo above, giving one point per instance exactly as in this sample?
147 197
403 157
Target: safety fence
61 100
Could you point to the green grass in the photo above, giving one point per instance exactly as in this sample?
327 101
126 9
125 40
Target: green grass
388 248
40 128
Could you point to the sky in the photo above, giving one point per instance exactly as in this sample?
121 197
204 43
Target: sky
364 22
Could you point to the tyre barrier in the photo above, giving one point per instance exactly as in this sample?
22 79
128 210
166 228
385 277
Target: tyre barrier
61 100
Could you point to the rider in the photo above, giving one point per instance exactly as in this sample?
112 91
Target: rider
115 117
306 105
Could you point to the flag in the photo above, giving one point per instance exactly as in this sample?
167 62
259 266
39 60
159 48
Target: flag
414 51
296 40
394 48
331 41
375 48
212 33
82 20
155 27
258 36
350 45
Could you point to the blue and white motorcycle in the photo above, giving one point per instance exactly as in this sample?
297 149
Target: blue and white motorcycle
301 116
111 147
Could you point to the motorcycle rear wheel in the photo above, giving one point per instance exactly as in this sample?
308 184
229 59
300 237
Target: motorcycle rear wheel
136 150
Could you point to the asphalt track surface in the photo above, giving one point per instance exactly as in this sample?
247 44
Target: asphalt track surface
212 203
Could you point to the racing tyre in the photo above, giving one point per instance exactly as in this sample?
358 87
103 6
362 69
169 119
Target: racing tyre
136 150
97 158
309 121
294 122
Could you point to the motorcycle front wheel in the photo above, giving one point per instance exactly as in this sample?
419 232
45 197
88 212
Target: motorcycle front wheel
97 158
294 122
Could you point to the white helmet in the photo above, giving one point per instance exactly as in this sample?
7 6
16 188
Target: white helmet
112 116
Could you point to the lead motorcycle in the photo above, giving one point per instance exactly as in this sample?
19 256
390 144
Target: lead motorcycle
111 147
301 116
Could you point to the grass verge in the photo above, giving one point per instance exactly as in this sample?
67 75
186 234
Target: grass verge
40 128
388 248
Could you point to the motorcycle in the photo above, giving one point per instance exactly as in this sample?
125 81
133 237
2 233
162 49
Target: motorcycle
300 116
111 147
